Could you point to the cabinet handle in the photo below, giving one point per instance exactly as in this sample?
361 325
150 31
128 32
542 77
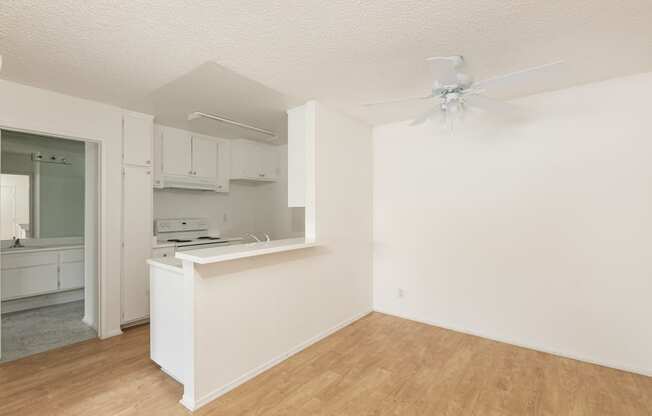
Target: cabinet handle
189 172
149 162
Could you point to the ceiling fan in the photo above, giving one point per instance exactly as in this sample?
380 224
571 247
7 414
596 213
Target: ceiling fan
455 91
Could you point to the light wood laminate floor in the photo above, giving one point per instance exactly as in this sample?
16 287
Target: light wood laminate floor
380 365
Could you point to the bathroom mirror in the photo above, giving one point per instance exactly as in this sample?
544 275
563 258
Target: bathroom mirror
42 186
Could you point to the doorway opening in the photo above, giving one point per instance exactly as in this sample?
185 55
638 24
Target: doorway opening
49 237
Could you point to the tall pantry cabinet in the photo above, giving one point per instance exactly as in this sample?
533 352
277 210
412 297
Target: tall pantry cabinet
137 212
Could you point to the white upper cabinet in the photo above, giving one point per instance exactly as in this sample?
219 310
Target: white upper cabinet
223 165
204 157
253 161
301 134
176 152
269 160
137 134
190 161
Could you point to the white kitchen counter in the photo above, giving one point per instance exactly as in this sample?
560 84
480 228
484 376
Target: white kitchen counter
168 263
233 252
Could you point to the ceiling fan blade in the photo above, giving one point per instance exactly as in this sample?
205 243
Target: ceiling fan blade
513 76
446 69
491 105
426 116
402 100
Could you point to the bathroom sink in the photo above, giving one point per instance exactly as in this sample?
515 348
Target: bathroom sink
30 247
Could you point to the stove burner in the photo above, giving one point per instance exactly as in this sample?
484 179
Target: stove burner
178 240
208 237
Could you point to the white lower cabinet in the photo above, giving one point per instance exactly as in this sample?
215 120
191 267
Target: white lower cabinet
136 243
41 272
162 252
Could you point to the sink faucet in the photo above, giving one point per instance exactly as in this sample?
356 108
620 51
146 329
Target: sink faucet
267 238
252 235
16 243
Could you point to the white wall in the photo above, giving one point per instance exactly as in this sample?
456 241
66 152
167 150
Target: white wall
248 207
251 311
42 111
537 233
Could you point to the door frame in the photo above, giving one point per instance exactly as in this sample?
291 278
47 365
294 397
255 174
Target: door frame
101 223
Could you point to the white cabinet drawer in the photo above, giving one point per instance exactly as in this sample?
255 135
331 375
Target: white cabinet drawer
162 252
14 261
28 281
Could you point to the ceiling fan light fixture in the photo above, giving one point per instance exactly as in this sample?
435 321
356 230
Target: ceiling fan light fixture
452 86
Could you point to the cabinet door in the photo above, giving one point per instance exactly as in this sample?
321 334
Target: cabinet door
204 158
176 152
71 270
239 159
71 276
136 237
254 161
269 162
137 135
223 165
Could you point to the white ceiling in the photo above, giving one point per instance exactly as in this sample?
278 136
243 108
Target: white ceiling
341 52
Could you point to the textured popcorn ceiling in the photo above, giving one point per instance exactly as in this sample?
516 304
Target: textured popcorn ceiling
342 52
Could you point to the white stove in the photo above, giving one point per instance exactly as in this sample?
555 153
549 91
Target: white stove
188 234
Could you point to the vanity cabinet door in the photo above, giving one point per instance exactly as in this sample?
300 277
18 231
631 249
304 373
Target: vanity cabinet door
71 270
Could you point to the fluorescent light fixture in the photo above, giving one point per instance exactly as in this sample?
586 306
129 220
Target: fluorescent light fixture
198 114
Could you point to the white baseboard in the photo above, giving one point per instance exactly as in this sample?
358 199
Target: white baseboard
616 366
190 405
